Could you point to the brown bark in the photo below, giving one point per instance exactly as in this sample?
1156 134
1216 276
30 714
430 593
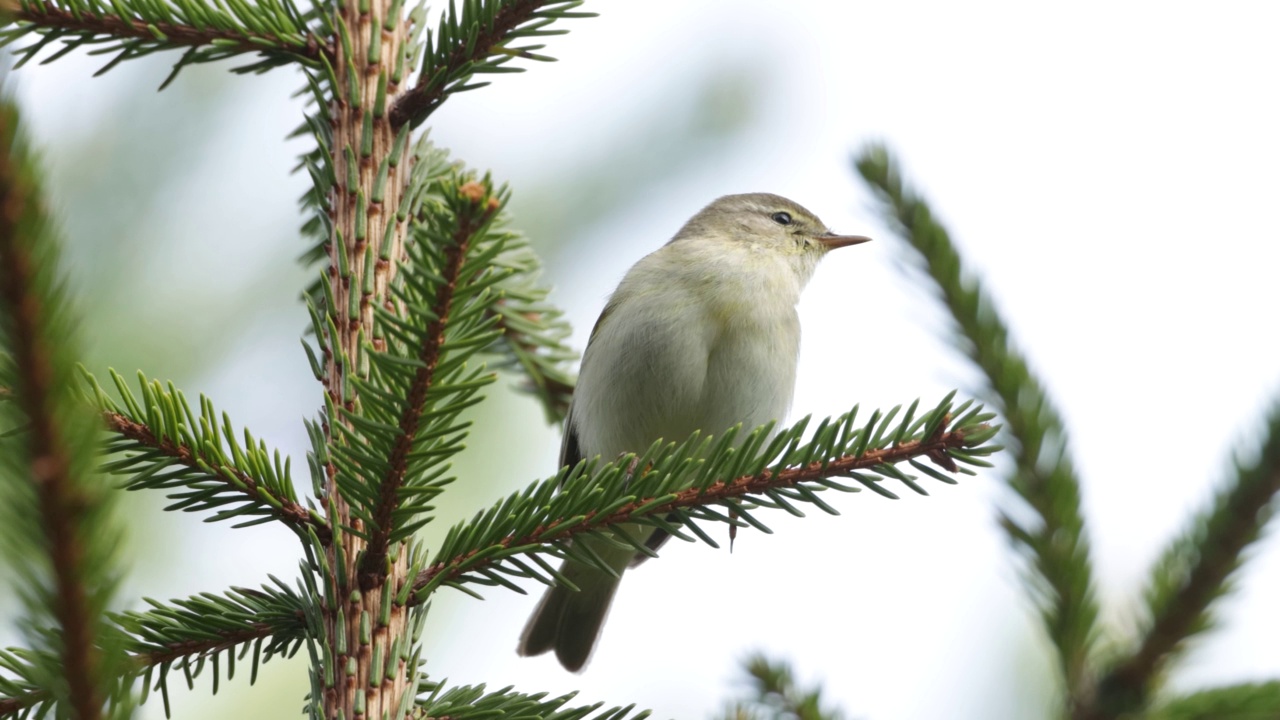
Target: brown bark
366 630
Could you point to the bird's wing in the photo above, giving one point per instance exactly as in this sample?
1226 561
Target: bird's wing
570 451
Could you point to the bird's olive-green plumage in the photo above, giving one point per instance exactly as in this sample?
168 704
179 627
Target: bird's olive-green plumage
701 335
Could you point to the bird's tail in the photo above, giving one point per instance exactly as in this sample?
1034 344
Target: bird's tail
569 622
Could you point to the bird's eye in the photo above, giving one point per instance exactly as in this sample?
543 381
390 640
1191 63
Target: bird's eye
782 218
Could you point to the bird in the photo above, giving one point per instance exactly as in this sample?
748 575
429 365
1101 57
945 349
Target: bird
700 335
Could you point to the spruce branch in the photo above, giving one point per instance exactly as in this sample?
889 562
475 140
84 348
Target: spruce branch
20 691
463 273
776 695
160 444
478 39
214 630
533 342
473 703
534 333
274 620
1193 573
54 517
274 29
473 214
1043 474
190 635
683 485
1253 701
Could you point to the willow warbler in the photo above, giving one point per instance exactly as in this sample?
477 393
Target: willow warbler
701 335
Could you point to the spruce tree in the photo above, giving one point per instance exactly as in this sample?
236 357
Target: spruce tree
423 295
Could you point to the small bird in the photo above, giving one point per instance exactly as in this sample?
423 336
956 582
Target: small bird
701 335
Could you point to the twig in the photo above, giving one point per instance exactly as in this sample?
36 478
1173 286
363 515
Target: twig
372 566
450 569
419 101
453 567
60 503
1224 530
47 16
284 509
1044 476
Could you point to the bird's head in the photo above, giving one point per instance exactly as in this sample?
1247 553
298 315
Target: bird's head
766 224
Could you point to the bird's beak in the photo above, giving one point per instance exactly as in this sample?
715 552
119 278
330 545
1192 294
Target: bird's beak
831 241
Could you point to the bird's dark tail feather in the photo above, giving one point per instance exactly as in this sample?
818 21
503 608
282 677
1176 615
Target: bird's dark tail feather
569 622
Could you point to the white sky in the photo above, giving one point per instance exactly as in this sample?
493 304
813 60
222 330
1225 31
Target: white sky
1111 170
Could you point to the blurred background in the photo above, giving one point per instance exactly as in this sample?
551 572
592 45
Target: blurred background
1111 170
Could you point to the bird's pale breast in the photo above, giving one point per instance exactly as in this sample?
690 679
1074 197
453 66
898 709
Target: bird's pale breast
674 358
